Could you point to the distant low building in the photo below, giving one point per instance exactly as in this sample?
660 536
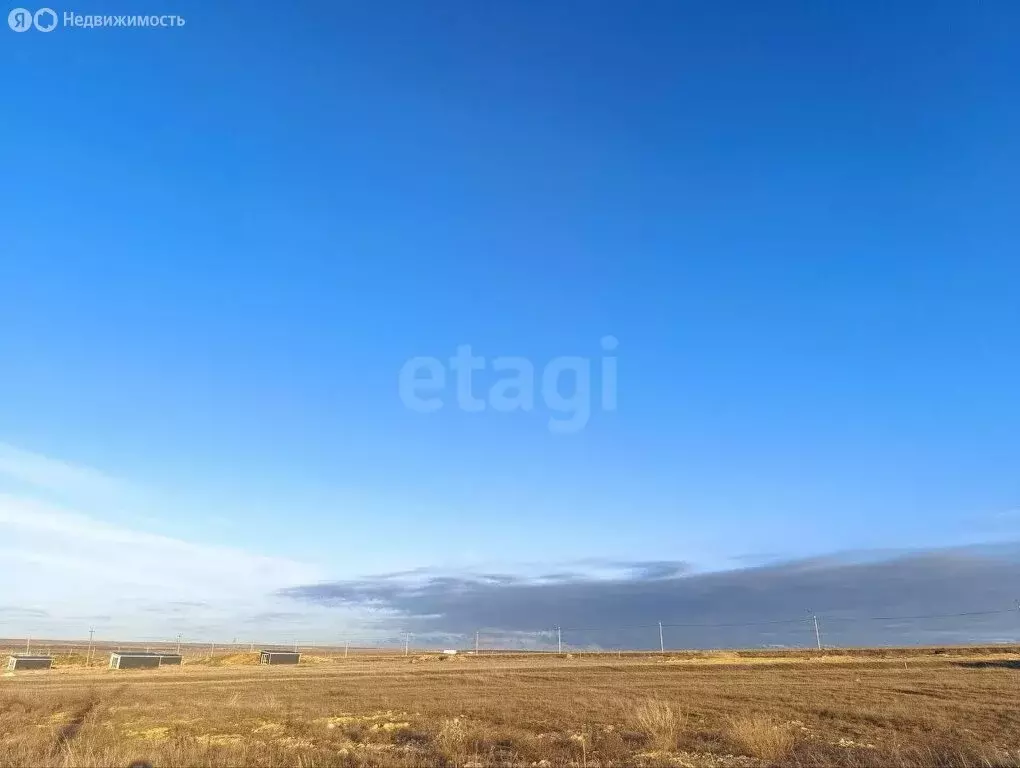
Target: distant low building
28 661
143 660
279 657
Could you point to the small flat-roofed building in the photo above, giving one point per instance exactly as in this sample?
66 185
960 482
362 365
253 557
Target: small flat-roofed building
279 657
135 660
29 661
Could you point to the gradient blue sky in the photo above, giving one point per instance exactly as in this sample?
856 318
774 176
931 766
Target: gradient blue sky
219 244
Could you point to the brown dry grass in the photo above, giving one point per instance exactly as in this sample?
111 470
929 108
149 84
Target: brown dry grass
763 736
926 710
660 722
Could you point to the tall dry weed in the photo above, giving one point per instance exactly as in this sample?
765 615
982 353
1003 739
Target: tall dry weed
452 740
661 722
762 736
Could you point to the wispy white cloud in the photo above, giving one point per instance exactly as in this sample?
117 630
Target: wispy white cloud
98 550
48 474
63 558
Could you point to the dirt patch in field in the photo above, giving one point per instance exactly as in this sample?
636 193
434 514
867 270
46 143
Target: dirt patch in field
156 733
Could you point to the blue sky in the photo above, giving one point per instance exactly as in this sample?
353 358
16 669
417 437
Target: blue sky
220 243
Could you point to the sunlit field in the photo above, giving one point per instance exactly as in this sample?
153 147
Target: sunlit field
949 707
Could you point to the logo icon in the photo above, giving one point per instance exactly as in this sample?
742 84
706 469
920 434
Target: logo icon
20 20
45 20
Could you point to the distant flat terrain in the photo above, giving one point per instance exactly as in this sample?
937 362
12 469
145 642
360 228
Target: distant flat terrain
896 707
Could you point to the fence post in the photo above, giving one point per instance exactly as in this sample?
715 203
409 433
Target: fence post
662 645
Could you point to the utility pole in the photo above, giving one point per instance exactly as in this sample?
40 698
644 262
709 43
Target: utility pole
28 645
476 642
818 637
178 643
662 645
88 656
212 649
347 645
559 640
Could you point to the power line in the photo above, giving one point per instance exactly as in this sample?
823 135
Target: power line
816 621
820 614
918 618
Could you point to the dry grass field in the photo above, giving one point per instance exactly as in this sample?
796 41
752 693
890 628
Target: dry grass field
940 707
